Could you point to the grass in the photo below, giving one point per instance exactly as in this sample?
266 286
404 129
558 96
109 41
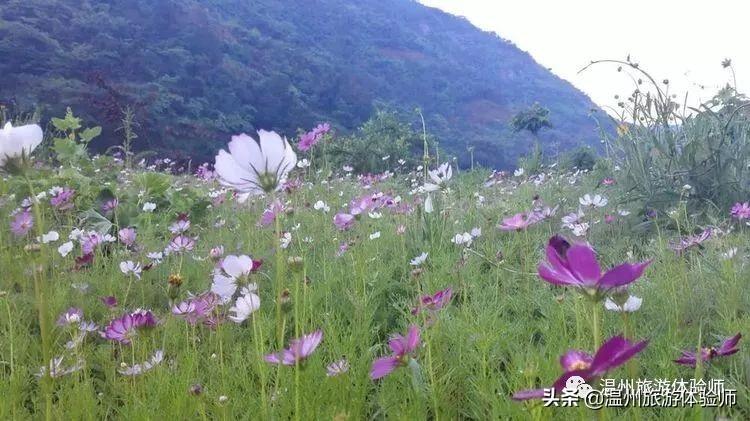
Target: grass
503 331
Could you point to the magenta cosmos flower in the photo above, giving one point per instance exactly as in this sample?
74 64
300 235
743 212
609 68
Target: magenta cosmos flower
127 236
612 354
309 139
62 198
576 265
434 302
299 349
401 347
22 222
197 308
740 211
125 328
726 348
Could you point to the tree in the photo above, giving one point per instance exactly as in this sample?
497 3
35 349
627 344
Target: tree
533 119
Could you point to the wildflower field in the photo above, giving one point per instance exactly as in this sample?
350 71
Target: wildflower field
273 285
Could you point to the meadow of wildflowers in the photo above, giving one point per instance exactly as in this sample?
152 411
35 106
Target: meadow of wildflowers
268 285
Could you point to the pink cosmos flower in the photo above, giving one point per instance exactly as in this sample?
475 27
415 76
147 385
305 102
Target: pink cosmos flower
726 348
576 265
337 368
89 242
196 309
299 349
401 348
685 243
343 221
517 222
180 244
608 181
110 205
22 223
109 301
311 138
127 236
740 211
269 215
124 329
612 354
73 315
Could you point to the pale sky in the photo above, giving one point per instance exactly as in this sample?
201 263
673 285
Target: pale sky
683 41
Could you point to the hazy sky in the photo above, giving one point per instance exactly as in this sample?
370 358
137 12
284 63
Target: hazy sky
683 41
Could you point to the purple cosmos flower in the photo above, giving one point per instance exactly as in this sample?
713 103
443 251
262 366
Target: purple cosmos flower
299 349
22 223
434 302
205 172
728 347
109 301
62 198
740 211
89 241
612 354
180 226
576 265
124 329
401 348
127 236
343 221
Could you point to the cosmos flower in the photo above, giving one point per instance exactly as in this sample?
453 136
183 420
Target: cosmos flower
464 239
73 315
685 243
299 349
311 138
417 261
631 304
196 308
149 207
255 167
321 205
65 248
401 348
726 348
273 210
180 244
131 268
61 198
434 302
608 181
517 222
612 354
16 142
140 368
439 177
127 236
595 201
337 368
343 221
56 368
740 211
232 271
124 329
49 237
22 223
576 265
110 205
246 304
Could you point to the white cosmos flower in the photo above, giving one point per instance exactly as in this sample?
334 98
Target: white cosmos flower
131 268
65 248
579 230
595 201
462 239
417 261
255 167
246 304
519 172
428 207
375 215
321 205
17 141
50 237
285 240
375 235
149 207
632 304
439 177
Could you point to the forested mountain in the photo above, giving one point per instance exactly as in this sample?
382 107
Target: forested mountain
196 71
